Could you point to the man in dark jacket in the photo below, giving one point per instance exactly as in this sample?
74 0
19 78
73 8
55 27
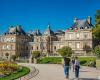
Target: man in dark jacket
66 66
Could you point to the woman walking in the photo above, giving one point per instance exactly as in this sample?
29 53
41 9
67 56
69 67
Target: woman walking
77 67
73 64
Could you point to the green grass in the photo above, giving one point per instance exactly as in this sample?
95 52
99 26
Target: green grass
16 75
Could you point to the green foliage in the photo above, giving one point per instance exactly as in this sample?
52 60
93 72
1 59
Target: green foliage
86 48
97 51
86 60
96 29
65 51
35 54
50 60
16 75
97 17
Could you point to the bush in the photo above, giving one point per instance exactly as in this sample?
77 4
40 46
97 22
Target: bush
83 62
86 60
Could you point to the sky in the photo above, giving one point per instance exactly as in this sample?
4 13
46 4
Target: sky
37 14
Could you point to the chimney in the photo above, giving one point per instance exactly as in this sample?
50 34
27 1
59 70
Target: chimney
75 20
89 19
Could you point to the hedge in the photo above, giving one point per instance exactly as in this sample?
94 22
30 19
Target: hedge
57 60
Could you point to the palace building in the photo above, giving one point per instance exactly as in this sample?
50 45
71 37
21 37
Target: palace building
17 42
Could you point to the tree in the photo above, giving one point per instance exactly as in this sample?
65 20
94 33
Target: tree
86 48
35 55
96 29
96 51
65 51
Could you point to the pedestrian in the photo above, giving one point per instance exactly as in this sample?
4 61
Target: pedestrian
73 63
77 67
66 65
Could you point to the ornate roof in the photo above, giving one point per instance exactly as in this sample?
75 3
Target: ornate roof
16 30
49 32
81 24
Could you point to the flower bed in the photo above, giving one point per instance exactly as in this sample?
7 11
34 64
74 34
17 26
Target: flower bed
11 70
7 67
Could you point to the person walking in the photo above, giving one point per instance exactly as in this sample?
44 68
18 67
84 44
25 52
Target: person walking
73 64
77 67
66 65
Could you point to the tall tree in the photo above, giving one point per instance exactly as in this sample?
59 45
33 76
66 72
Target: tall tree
96 51
65 51
96 29
86 48
35 55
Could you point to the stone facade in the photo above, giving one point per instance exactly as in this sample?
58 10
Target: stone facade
16 41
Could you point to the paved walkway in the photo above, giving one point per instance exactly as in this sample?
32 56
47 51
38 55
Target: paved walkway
55 72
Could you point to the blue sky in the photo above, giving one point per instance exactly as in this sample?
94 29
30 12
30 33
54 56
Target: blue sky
36 14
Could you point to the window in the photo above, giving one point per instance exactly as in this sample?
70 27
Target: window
85 35
26 47
70 44
37 47
70 36
32 47
54 47
77 45
77 35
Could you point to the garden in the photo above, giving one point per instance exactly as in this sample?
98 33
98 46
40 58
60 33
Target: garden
11 70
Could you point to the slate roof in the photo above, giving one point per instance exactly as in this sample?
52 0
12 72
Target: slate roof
81 24
16 30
